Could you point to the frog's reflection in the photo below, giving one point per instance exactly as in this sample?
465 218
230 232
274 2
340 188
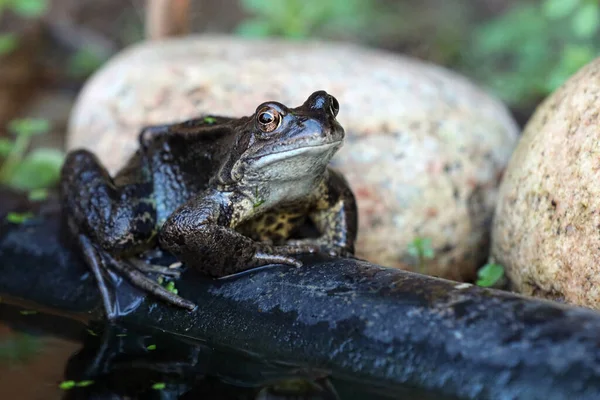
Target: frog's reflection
118 363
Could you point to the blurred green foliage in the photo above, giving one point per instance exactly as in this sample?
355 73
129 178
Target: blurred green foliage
421 249
489 275
24 9
530 50
522 54
19 349
84 62
299 19
32 171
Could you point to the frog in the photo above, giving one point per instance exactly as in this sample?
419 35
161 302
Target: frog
223 195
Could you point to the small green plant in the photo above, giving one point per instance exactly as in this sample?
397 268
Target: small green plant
18 218
299 19
70 384
533 48
35 171
489 274
170 286
421 249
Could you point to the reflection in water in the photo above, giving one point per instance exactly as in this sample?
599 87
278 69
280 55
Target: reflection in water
31 363
123 363
108 361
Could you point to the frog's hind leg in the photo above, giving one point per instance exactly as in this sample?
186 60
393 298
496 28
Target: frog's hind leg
98 260
110 220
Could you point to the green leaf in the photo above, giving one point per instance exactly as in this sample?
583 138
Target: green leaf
586 21
39 169
84 383
40 194
151 347
91 332
8 42
421 248
28 312
29 8
170 286
489 274
6 147
209 120
159 386
66 385
18 218
29 126
556 9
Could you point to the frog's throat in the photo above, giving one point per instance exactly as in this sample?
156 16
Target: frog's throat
263 161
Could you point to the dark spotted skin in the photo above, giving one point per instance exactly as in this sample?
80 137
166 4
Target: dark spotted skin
223 195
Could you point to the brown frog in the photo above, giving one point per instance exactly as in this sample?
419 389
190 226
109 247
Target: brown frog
223 195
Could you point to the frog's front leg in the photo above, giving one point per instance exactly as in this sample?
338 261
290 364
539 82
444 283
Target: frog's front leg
199 235
335 216
109 222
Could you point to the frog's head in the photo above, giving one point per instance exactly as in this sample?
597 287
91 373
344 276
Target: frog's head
281 144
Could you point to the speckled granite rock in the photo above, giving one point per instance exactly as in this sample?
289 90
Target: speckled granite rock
547 226
425 148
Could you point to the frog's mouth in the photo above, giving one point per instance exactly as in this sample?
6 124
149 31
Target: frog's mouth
316 151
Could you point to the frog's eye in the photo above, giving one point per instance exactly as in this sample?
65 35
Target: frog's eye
268 119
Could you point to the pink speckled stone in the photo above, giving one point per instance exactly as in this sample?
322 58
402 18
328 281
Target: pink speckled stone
425 147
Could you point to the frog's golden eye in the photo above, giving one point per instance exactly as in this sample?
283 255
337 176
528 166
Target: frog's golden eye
268 119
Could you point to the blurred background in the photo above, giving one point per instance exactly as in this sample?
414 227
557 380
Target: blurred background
519 50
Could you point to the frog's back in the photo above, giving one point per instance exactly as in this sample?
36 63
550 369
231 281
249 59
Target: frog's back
182 158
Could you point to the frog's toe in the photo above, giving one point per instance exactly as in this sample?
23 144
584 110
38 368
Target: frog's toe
170 271
337 251
264 259
140 280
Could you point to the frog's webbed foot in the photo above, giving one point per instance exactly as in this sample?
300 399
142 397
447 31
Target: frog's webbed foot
102 263
147 284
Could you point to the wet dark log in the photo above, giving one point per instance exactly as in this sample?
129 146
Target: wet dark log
366 322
